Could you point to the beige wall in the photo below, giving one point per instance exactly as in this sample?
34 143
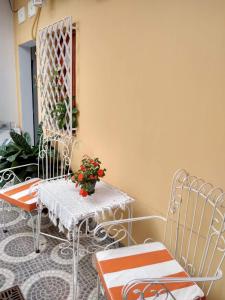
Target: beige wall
151 91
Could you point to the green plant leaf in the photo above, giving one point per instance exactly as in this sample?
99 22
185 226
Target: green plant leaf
60 123
4 165
13 157
27 137
3 152
19 152
14 163
39 134
74 110
20 141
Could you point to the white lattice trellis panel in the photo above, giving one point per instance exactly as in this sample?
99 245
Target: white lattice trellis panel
55 75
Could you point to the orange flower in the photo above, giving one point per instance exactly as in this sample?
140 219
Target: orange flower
83 193
80 177
101 173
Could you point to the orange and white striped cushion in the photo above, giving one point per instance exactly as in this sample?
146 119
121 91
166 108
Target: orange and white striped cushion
116 267
21 194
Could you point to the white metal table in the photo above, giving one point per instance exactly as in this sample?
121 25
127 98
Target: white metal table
74 213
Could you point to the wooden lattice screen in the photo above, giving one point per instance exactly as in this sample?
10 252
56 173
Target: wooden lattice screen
55 74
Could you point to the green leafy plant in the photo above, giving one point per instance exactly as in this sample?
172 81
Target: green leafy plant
60 114
19 151
60 95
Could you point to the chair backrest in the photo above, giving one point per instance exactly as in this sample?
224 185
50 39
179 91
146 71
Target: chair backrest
195 225
55 152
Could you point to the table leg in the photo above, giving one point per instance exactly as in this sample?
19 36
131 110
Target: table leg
130 215
98 287
75 266
3 216
76 253
38 228
33 231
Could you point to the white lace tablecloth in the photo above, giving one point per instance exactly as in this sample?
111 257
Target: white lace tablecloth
65 204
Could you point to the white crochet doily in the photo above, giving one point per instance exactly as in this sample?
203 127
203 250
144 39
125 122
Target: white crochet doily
65 204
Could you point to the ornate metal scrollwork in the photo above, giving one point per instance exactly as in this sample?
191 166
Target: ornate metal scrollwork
9 177
147 287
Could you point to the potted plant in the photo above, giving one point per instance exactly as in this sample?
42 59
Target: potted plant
89 173
60 114
19 151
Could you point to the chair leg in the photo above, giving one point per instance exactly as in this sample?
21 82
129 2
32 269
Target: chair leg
98 288
3 217
38 229
75 265
33 230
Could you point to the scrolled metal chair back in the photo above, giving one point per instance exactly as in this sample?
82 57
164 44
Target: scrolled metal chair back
8 177
195 226
55 154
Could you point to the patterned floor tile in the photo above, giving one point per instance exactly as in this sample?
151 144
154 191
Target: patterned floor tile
44 276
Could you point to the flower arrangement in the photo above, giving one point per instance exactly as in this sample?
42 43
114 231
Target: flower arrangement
89 173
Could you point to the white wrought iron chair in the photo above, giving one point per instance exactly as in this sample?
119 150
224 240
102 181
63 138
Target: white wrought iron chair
54 161
187 263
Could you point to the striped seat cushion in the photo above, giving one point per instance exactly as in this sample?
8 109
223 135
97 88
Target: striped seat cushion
117 267
21 195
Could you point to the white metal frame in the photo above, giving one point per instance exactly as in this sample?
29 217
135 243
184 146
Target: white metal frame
194 228
117 216
9 176
55 72
54 161
55 155
85 229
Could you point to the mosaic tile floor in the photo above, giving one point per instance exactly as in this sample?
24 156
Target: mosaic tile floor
44 276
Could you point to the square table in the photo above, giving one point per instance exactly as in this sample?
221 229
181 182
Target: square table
70 211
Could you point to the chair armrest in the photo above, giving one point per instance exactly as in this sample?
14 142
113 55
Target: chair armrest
8 174
130 220
117 231
17 167
163 281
